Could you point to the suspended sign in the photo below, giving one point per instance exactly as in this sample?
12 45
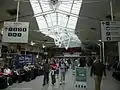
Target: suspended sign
110 31
15 32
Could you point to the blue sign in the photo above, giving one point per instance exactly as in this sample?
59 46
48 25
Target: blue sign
21 60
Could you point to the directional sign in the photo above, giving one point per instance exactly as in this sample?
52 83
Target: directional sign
15 32
110 31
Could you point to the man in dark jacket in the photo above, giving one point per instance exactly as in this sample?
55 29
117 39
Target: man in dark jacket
46 69
98 69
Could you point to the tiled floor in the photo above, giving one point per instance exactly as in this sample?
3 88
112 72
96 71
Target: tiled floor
108 83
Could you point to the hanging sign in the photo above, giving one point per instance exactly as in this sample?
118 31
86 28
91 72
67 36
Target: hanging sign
15 32
81 78
110 31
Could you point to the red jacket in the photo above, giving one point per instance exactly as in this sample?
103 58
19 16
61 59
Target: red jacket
54 66
1 74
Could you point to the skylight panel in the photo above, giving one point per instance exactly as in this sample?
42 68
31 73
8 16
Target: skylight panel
62 19
72 22
76 8
48 18
53 18
41 22
65 7
35 6
45 7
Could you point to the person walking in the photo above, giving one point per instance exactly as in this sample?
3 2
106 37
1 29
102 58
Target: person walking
62 72
46 70
57 69
53 72
98 68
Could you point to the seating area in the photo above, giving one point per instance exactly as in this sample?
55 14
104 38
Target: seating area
19 76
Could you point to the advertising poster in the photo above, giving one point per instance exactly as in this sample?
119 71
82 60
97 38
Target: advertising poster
21 60
81 78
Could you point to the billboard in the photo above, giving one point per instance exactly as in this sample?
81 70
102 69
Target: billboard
23 59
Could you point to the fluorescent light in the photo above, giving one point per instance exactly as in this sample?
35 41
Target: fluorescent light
43 46
37 56
32 43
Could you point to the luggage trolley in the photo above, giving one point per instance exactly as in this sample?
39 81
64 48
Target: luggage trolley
80 82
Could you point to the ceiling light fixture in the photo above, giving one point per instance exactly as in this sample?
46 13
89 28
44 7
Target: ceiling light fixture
32 43
43 46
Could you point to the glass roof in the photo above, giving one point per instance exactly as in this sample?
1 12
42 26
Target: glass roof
58 19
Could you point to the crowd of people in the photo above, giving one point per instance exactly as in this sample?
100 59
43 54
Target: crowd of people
53 67
48 67
8 76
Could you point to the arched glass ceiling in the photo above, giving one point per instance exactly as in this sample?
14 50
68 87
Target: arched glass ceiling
58 19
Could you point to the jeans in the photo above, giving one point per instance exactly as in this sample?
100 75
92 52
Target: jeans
46 78
62 76
53 78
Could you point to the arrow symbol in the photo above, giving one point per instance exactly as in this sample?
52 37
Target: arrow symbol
6 29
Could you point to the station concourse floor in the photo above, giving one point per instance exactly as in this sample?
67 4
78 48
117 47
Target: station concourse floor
108 83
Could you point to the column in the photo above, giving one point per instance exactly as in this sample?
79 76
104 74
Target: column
119 50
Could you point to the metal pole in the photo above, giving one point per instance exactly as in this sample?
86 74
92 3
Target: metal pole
111 9
38 52
25 52
100 52
119 50
18 8
103 52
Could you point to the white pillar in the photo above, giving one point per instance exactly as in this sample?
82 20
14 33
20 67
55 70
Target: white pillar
119 50
103 52
100 53
111 9
18 8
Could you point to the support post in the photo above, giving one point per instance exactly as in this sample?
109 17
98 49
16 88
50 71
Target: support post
25 52
100 52
119 50
103 52
111 9
18 8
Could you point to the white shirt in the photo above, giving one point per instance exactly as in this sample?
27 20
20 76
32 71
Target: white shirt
7 71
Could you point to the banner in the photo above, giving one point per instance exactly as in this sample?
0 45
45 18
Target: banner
21 60
15 32
81 78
